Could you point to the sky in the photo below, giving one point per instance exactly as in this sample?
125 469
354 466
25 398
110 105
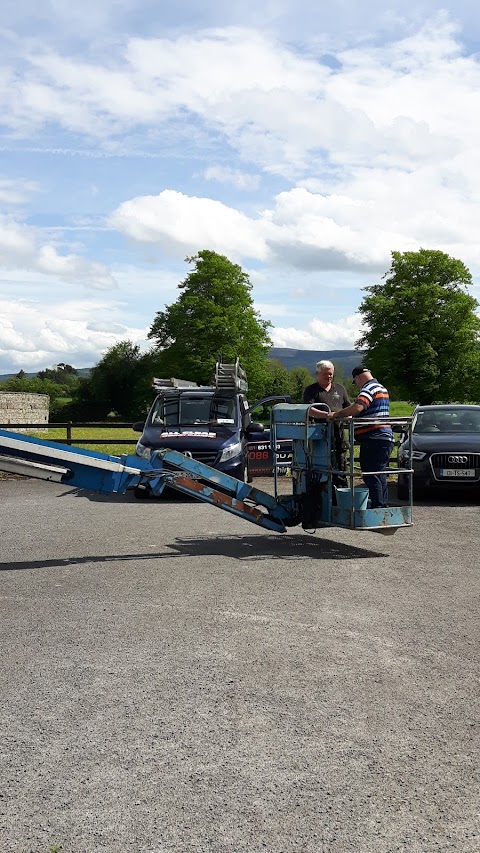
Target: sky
304 140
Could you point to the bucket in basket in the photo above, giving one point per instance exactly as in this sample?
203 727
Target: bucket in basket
344 498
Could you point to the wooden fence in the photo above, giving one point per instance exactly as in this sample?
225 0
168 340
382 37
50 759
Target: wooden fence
68 426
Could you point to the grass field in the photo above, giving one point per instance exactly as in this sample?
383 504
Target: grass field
112 448
401 409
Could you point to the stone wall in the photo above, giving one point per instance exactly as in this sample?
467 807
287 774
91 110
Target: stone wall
19 408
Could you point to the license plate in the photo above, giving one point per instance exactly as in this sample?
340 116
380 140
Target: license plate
457 472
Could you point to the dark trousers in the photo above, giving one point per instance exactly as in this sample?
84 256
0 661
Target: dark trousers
339 455
339 461
374 456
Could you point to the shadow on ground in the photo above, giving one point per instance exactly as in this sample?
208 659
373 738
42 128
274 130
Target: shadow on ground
244 548
435 497
441 498
167 497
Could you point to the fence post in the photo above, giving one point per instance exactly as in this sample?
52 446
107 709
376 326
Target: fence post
69 432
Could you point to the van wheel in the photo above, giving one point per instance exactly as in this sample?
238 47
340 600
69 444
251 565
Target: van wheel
142 493
246 476
241 473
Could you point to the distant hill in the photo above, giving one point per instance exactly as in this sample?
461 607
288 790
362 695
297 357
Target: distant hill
82 371
346 359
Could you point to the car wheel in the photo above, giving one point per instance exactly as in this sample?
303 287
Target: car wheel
402 489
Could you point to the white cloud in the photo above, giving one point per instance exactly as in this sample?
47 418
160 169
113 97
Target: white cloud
14 192
108 328
354 228
407 102
10 339
178 224
268 309
239 180
21 248
320 334
384 149
33 335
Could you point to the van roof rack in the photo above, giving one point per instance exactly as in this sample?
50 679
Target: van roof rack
159 384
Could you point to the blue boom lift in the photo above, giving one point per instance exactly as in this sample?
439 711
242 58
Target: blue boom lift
311 502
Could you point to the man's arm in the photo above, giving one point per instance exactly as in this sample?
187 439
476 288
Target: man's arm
348 412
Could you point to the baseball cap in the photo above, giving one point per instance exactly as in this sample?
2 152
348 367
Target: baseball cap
358 370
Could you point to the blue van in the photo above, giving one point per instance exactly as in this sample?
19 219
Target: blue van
210 423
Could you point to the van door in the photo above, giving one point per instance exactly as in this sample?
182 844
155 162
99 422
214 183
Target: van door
259 450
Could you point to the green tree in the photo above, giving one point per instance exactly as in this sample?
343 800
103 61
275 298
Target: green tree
278 378
212 318
62 374
299 378
33 385
422 331
120 382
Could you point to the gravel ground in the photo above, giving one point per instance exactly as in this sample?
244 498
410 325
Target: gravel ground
174 679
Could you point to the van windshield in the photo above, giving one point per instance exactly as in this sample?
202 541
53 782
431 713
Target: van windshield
189 409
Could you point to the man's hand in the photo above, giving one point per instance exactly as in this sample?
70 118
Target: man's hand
318 414
340 415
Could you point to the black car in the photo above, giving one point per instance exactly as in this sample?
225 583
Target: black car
445 449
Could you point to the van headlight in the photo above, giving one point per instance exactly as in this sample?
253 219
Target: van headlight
231 451
141 450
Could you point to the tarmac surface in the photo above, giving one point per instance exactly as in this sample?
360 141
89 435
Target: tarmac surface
175 680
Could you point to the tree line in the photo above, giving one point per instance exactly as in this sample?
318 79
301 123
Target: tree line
421 339
120 385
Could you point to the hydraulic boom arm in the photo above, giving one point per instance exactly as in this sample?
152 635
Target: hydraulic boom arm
313 470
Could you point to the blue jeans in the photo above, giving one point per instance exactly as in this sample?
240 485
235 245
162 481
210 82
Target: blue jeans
374 456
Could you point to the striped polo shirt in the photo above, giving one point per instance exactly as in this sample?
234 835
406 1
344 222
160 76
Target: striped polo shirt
376 404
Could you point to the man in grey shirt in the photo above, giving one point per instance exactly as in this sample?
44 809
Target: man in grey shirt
325 390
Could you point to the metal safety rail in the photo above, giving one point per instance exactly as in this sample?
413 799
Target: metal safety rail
403 425
313 472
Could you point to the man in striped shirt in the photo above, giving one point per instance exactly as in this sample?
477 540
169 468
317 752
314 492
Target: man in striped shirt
375 440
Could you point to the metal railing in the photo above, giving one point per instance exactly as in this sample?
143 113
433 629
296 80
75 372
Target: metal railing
353 472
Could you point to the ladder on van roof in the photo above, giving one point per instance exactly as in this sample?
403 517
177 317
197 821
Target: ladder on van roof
228 377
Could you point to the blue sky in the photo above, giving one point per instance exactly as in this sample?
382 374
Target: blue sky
304 140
